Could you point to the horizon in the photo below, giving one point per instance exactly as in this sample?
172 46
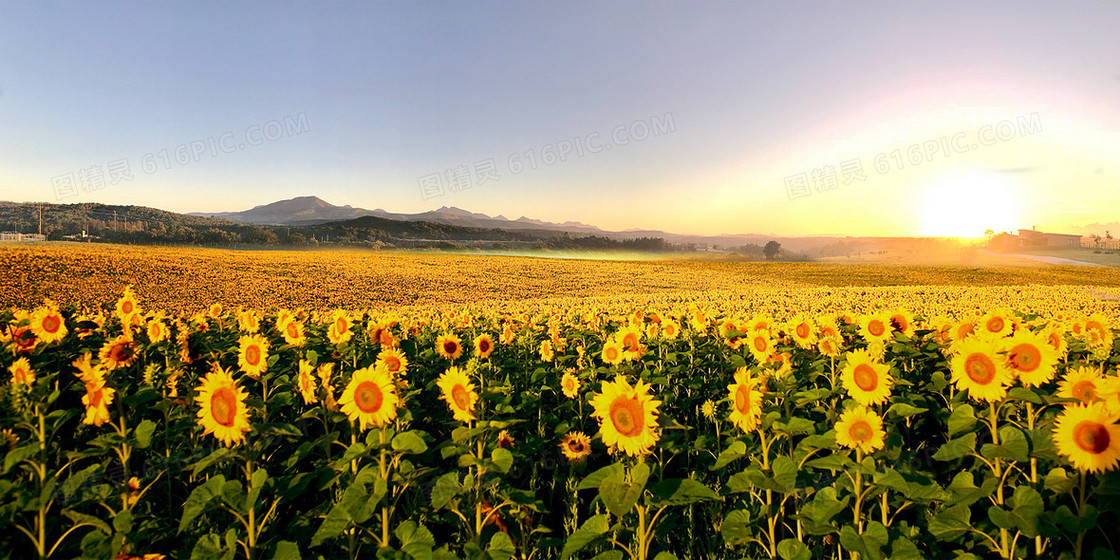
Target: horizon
700 119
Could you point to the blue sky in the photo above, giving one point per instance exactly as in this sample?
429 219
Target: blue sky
383 95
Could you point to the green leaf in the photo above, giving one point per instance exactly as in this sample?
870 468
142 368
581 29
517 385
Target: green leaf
869 544
1013 446
17 455
682 491
502 459
445 489
951 523
903 410
736 528
904 549
963 418
596 478
409 442
785 474
218 454
88 519
663 555
620 496
286 550
500 547
416 540
591 529
818 513
78 480
122 523
963 491
336 522
199 498
1058 481
211 547
143 434
1026 507
956 448
793 549
1024 394
735 451
257 482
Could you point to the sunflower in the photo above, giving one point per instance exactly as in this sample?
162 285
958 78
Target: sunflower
449 347
761 322
505 439
214 311
612 352
292 331
780 365
222 409
1055 335
325 371
998 323
1096 332
248 321
546 351
339 331
1030 357
627 416
802 331
829 346
1089 436
630 339
157 331
962 330
1084 383
569 384
97 399
670 329
761 345
746 409
875 326
47 324
118 353
507 334
575 446
393 360
127 309
979 369
370 398
306 382
459 393
860 428
902 322
21 372
483 346
252 358
867 380
87 372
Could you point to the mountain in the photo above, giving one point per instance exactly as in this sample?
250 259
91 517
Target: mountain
312 210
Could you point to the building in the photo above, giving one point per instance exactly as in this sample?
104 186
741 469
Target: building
17 236
1035 238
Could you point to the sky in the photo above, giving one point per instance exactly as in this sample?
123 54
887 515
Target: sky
788 118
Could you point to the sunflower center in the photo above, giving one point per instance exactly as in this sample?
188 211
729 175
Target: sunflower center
625 415
461 397
1025 357
121 352
575 446
760 344
253 355
865 377
980 368
450 347
630 342
51 323
1085 391
127 307
1092 437
612 354
860 431
223 406
803 330
876 328
995 324
484 346
340 325
392 363
368 397
293 331
743 398
898 324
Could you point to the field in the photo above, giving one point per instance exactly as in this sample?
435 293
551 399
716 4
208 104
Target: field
230 404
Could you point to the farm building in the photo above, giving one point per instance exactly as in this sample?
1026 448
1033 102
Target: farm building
1035 238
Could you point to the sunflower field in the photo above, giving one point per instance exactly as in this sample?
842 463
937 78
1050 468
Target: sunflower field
835 425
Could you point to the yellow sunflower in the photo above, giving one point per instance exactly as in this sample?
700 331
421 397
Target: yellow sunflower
867 380
1089 436
902 322
746 407
248 321
575 446
127 309
252 358
860 428
47 324
222 409
157 331
21 372
459 393
1030 357
393 360
340 331
370 398
483 345
306 383
546 351
88 372
627 416
97 399
569 384
761 345
998 323
962 330
875 326
1084 383
612 352
1096 332
802 331
1055 335
829 346
977 368
292 330
449 347
630 339
118 353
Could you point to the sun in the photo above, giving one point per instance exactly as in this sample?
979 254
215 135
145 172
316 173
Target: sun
965 204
